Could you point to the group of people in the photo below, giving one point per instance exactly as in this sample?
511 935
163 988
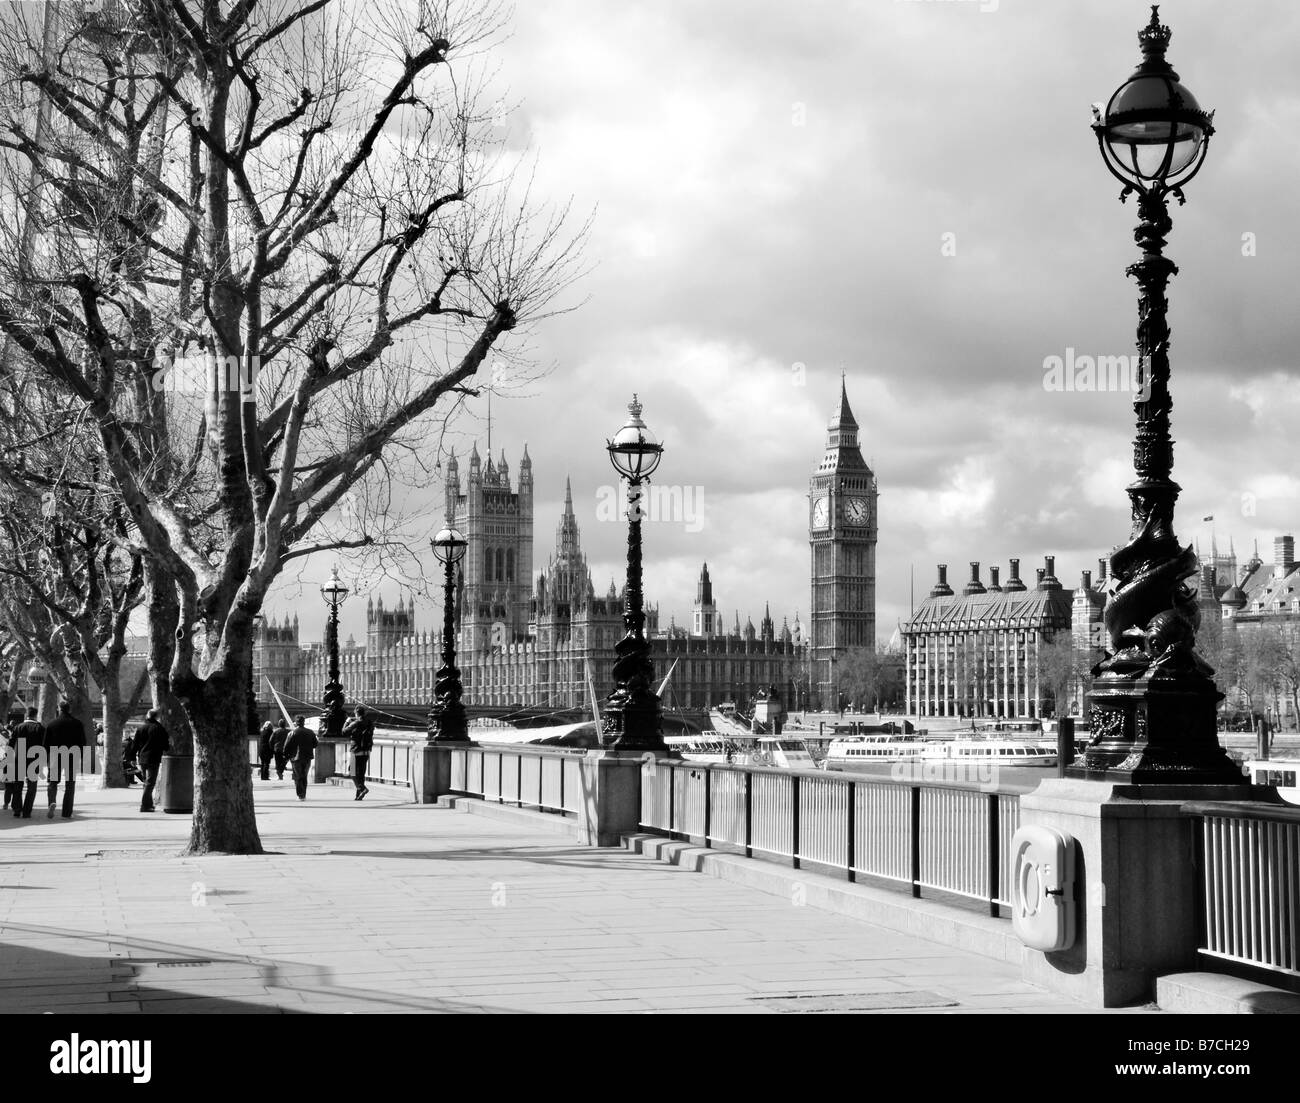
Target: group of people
60 742
279 744
63 740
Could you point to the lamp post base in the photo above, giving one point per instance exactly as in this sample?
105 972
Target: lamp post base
448 724
1155 731
632 724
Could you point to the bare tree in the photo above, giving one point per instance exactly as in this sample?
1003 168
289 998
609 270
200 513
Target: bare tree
294 203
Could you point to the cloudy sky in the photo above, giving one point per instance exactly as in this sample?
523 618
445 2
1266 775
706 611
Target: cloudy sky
907 191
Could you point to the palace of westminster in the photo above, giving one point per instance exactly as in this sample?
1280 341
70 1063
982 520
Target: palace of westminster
531 639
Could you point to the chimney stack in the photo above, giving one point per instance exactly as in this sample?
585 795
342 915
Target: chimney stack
1014 585
1087 580
1040 572
941 588
994 588
1283 556
974 586
1048 574
1101 572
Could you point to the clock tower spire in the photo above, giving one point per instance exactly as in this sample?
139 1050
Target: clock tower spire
842 534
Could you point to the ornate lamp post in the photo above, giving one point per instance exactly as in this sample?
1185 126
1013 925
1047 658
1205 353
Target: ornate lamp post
447 722
631 719
335 593
1152 706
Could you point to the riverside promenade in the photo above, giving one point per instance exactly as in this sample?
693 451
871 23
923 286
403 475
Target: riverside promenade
389 906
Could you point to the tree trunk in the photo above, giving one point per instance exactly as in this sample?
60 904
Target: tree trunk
224 818
164 617
111 717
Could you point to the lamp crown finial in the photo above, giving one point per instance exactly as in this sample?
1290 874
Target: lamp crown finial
1154 37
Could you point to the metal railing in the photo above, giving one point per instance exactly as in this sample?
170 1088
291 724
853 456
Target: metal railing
1249 861
947 837
549 778
390 759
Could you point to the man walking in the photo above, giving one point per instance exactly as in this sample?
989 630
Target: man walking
65 742
279 737
264 750
360 733
30 733
151 743
300 749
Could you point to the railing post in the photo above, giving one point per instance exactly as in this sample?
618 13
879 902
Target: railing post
519 783
794 820
562 773
708 804
501 777
672 798
1202 888
849 851
995 856
541 781
916 840
749 814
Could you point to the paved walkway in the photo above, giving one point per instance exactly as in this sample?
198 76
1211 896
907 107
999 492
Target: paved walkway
386 906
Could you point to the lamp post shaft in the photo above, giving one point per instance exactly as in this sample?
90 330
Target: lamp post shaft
447 720
334 712
631 719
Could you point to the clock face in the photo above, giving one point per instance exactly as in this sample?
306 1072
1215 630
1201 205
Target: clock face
856 511
821 513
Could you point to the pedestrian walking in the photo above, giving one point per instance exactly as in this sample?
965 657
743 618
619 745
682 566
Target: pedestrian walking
65 742
30 733
129 759
14 766
279 736
300 749
360 734
151 743
264 750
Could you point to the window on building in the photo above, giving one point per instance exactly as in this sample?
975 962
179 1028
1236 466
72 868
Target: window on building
501 564
510 564
487 564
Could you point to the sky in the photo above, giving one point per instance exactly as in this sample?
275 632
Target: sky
908 192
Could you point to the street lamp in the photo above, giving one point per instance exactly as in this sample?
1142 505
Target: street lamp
335 593
631 719
447 715
1152 706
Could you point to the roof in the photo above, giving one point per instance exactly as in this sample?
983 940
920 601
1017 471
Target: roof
1018 609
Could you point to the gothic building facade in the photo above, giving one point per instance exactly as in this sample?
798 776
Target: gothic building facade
532 642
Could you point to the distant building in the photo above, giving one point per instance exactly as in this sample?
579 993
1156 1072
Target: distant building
976 654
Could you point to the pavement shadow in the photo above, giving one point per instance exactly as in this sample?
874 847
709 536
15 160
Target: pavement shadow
156 977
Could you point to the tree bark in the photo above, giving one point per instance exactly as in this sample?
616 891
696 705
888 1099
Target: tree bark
164 618
224 820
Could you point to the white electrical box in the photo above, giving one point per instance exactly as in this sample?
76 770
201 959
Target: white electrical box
1044 913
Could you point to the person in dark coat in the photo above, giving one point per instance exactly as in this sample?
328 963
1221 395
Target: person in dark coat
264 750
129 768
151 743
27 734
360 734
300 749
279 737
65 743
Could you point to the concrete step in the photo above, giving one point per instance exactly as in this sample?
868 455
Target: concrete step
531 818
928 919
1216 994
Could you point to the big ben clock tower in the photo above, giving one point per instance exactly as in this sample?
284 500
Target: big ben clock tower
842 533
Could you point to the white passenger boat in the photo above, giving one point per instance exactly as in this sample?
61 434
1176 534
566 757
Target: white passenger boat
849 754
